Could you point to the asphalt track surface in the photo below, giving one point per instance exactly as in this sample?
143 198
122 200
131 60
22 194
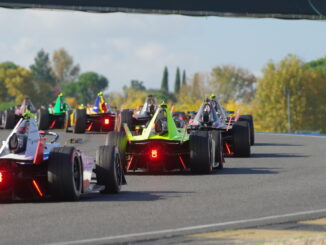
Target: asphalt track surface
283 180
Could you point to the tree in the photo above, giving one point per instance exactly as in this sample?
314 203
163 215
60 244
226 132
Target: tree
307 102
41 69
63 67
198 86
165 80
177 83
317 64
89 84
43 77
71 90
137 85
184 78
8 65
4 67
19 84
230 82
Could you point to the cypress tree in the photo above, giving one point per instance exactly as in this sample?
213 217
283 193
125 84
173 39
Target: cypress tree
177 83
165 80
184 78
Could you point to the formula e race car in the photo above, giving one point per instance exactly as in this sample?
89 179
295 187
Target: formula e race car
53 117
10 117
227 116
31 169
99 118
206 120
236 134
140 117
162 146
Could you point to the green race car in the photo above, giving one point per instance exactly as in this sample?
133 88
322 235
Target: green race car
162 146
53 117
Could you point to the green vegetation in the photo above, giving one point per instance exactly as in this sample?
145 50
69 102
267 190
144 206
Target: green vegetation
307 88
184 78
45 78
265 97
230 82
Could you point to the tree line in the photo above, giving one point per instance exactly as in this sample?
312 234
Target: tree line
45 78
264 96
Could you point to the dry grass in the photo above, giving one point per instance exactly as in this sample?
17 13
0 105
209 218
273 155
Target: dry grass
316 240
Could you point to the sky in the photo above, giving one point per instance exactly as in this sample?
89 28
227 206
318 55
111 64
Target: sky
123 47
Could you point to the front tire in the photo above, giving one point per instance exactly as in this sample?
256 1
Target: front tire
217 137
108 168
118 139
65 176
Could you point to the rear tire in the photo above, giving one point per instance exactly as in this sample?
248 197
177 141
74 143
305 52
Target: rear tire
241 139
65 174
250 120
43 119
201 152
80 124
9 119
108 168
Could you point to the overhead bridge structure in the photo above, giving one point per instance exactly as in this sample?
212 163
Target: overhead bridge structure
285 9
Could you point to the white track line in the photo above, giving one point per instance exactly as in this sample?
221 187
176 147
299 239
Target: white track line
189 228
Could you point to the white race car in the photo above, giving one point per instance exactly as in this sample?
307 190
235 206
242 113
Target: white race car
31 168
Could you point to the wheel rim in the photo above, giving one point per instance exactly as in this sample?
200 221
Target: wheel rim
118 169
77 175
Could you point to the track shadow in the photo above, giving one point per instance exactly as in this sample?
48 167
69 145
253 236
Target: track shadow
276 155
226 170
276 144
161 173
133 196
123 196
239 171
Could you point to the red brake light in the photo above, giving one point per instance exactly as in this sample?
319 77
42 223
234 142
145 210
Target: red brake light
5 179
154 153
106 121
